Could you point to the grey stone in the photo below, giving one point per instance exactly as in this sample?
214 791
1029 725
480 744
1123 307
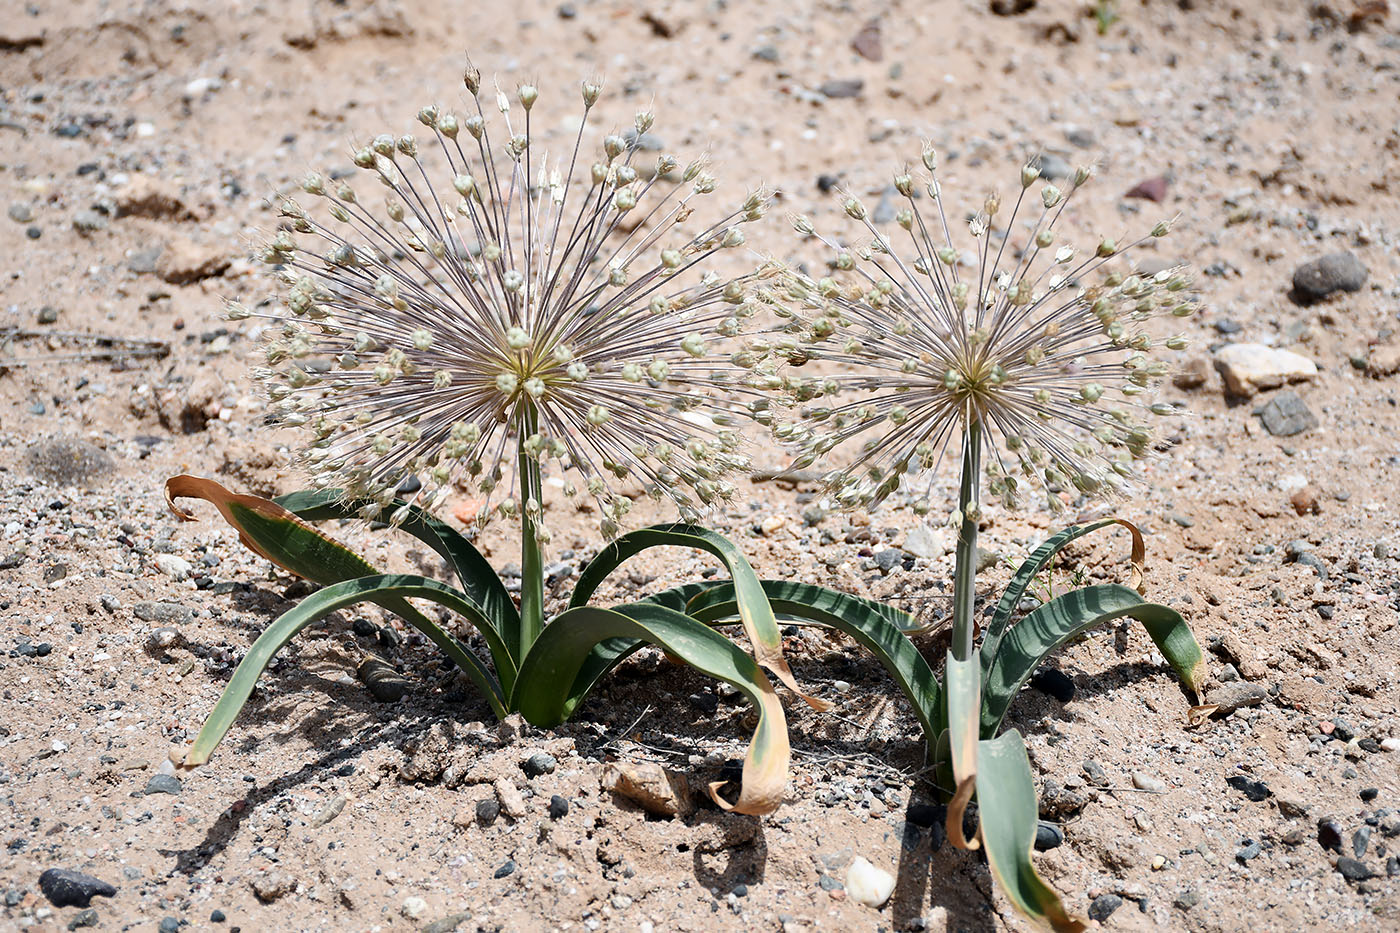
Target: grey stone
447 924
922 542
1315 280
884 210
558 807
84 918
20 213
169 925
842 87
1048 836
1360 841
1237 695
539 763
1054 168
889 559
1103 906
383 681
162 613
143 261
86 222
766 53
507 868
1147 782
1250 851
67 888
487 811
1285 415
1353 869
164 784
1080 137
1187 899
68 461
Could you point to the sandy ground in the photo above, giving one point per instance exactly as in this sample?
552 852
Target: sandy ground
138 145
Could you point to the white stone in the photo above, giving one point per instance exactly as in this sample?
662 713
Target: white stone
414 907
923 541
1249 367
867 884
173 565
1391 745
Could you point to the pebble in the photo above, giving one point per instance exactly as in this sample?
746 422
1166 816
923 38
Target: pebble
1148 783
1315 280
507 868
84 918
1249 367
1254 790
867 884
20 213
414 907
447 924
842 87
384 683
271 885
512 804
48 314
164 784
1285 415
1329 833
1054 168
558 807
86 222
487 810
1369 793
1150 189
67 888
1186 899
1353 869
922 541
1048 836
217 916
766 53
169 925
173 566
1360 840
1233 696
889 559
656 790
539 763
1103 906
1250 851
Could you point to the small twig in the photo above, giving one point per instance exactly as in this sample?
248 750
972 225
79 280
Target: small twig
786 476
106 347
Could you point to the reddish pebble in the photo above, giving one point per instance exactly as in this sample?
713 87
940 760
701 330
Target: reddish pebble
1325 727
1154 189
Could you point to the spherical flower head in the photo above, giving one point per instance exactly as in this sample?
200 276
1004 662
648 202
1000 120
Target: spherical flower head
497 322
1039 356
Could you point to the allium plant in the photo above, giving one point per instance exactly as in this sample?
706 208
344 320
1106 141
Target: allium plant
504 314
1030 362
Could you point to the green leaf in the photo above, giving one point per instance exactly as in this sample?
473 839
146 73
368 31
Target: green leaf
963 683
880 629
388 590
1008 813
760 625
271 531
474 572
1039 559
1027 644
558 673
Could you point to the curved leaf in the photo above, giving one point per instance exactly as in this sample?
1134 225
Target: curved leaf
475 574
963 689
757 616
388 590
557 675
1007 810
880 629
1051 625
271 531
1039 558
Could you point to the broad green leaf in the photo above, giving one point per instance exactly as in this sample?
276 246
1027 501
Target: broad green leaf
1007 812
757 616
391 591
963 681
1030 640
1039 559
880 629
556 676
271 531
478 579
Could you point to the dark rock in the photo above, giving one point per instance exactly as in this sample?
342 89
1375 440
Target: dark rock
364 628
169 925
1058 802
408 486
1342 730
487 810
1103 907
164 784
1315 280
217 916
889 559
1187 899
383 681
1353 870
1054 168
1095 773
842 87
67 888
1329 834
1254 790
1151 189
1250 851
558 807
1360 840
539 763
925 814
827 183
1053 683
48 314
1367 793
1392 867
1227 326
507 868
1285 415
1011 7
1048 836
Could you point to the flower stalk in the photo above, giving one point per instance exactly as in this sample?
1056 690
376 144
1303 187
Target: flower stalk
531 560
965 566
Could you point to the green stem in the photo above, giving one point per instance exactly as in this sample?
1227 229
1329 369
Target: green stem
531 563
965 572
